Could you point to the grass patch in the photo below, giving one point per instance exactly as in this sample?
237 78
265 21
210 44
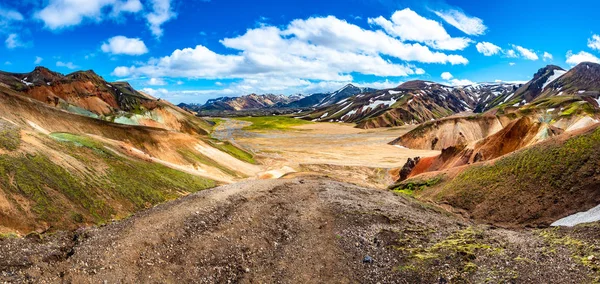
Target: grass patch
409 187
273 122
460 250
81 141
194 157
580 250
234 151
10 137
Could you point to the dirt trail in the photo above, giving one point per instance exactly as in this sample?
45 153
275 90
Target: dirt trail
306 230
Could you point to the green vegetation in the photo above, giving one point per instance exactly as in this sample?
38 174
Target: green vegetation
81 141
460 248
581 251
195 157
10 137
273 122
10 235
545 166
409 187
107 185
232 150
216 121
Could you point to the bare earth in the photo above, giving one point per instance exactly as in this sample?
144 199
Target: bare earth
334 149
307 230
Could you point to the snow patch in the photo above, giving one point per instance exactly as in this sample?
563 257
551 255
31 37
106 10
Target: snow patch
591 215
555 75
377 103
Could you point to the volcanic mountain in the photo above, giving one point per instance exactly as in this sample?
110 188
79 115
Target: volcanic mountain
412 102
248 102
86 93
540 150
76 150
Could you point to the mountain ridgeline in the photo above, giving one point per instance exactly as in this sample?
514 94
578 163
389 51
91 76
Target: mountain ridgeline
272 104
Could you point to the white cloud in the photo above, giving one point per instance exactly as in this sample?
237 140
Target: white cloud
161 13
547 56
594 42
511 53
38 60
512 63
582 56
60 14
470 25
157 93
447 76
526 53
68 65
386 84
124 45
463 82
410 26
13 41
488 48
8 17
326 49
156 82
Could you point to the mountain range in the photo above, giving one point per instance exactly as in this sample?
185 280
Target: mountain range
274 103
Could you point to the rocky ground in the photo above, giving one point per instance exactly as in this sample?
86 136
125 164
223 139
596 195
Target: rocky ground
300 230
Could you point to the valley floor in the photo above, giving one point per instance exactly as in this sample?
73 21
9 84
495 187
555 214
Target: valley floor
341 151
294 231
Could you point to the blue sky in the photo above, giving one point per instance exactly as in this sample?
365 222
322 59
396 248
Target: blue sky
194 50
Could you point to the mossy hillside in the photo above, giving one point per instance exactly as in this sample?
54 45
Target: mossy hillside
196 158
552 164
461 251
232 150
411 186
63 197
10 137
273 123
536 176
583 252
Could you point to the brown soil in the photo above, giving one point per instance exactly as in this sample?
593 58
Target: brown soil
291 231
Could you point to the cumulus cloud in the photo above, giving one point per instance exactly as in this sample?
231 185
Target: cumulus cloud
470 25
410 26
547 56
161 13
38 60
512 63
511 53
582 56
156 82
13 41
487 48
8 17
124 45
60 14
594 42
447 76
323 48
68 65
461 82
526 53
